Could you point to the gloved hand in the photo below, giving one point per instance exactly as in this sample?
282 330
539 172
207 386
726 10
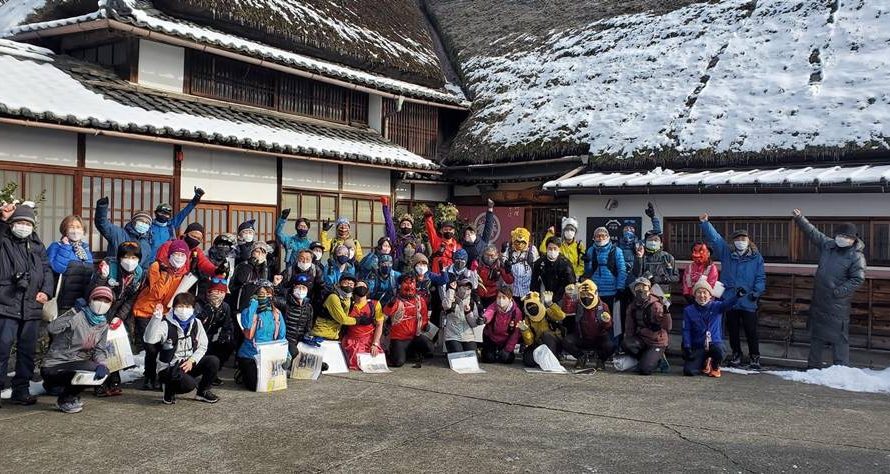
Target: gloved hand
285 213
604 317
104 269
523 326
327 225
102 201
115 323
490 205
650 210
741 292
364 321
222 269
547 298
504 355
480 321
101 372
427 212
384 200
199 193
654 326
687 354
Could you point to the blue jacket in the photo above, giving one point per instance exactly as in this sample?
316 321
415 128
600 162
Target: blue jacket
698 320
116 235
161 233
381 288
60 254
291 243
332 274
737 271
629 245
606 282
265 331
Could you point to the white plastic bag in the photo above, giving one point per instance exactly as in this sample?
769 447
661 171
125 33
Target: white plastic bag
545 359
270 360
307 364
624 363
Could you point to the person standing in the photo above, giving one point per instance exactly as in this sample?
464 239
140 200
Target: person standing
165 225
840 272
605 266
137 230
741 267
26 284
72 263
553 272
570 247
292 244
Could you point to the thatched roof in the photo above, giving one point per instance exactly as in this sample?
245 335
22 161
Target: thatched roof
670 82
17 12
390 37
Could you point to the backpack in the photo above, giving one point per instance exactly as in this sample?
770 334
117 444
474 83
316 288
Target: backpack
611 263
166 353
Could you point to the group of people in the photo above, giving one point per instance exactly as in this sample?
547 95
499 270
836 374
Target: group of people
192 310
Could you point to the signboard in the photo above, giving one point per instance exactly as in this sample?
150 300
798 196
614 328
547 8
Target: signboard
505 220
614 225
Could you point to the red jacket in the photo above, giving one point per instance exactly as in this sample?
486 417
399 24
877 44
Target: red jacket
589 325
647 314
489 279
204 265
500 327
414 317
442 249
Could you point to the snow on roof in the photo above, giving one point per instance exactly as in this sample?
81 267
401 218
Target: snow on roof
856 175
14 12
140 13
39 85
733 77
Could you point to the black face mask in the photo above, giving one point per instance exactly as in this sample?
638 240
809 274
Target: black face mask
448 235
162 218
360 291
586 300
341 259
405 230
641 296
302 232
532 310
192 242
385 269
460 264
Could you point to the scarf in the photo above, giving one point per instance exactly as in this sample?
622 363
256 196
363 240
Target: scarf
92 318
184 325
80 251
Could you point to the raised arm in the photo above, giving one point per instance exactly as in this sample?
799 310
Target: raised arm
435 240
387 219
810 231
718 244
487 230
182 215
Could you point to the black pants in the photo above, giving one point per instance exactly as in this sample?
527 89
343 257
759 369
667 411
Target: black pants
737 319
548 339
184 382
647 356
59 376
492 352
24 335
221 350
577 346
151 350
457 346
399 351
697 359
248 370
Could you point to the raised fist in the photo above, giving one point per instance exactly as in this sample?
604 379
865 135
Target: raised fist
102 201
650 210
199 193
327 225
796 212
285 213
384 200
704 217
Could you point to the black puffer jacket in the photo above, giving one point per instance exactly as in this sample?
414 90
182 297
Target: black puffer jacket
841 271
25 258
217 322
298 319
554 276
75 284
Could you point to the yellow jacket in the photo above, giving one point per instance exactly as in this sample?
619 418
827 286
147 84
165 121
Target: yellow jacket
329 244
335 314
573 251
532 334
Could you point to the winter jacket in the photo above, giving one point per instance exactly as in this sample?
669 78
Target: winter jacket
442 249
196 261
409 317
74 339
521 265
744 270
383 287
699 320
333 272
243 284
474 249
658 267
649 322
491 277
605 266
459 320
159 288
75 284
161 233
427 283
124 286
292 243
61 254
267 329
116 235
217 322
694 272
468 273
215 257
298 318
398 240
24 272
532 335
588 324
628 246
501 327
331 244
333 316
369 308
840 272
189 344
552 276
573 251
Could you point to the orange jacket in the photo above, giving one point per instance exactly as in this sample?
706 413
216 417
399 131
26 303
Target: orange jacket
160 287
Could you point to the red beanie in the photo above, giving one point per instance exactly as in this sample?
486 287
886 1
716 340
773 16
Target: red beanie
180 246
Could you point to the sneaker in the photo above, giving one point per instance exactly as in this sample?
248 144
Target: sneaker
69 406
78 402
735 360
755 363
707 368
207 396
715 372
169 396
114 391
216 382
23 399
147 385
239 380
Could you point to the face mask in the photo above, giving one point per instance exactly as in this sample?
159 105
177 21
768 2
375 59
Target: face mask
532 310
257 261
471 237
177 261
215 299
653 245
141 227
183 313
361 291
343 233
421 269
460 265
405 230
587 301
489 259
601 242
568 234
552 255
447 235
385 269
341 259
630 236
641 295
843 242
504 303
303 266
300 294
129 264
192 242
317 254
741 245
347 291
463 292
302 232
75 235
161 219
100 308
22 230
408 252
247 237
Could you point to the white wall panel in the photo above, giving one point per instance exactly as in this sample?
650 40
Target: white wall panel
304 174
367 180
120 154
37 146
229 176
431 192
161 66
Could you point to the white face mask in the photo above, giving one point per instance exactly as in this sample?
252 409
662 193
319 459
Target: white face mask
99 308
300 293
421 269
75 235
177 260
184 313
843 242
601 242
741 245
129 264
318 254
504 303
304 265
471 237
552 254
247 237
653 245
569 234
22 230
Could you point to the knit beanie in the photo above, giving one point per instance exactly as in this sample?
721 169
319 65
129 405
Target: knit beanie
102 292
848 229
248 224
702 283
195 226
23 213
179 246
144 216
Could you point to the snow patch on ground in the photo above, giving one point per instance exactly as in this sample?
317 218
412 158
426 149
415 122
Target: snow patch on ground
839 377
127 376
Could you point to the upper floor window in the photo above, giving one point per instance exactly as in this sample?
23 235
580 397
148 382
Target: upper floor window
414 127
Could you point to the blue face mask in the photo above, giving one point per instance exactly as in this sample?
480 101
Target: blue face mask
341 259
630 236
141 227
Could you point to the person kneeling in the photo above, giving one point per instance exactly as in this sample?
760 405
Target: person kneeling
364 336
593 322
646 334
703 330
79 339
540 326
262 322
182 359
408 313
501 333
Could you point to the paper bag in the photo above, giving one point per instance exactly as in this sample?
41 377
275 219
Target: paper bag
270 360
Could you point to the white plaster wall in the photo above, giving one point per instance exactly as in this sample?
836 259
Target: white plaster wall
304 174
37 146
120 154
375 112
161 66
403 190
229 176
431 192
358 179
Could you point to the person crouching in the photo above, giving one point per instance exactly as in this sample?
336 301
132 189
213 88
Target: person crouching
646 334
501 333
261 322
593 323
409 316
364 336
703 330
182 358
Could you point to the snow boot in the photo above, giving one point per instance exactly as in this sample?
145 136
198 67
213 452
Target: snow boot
735 360
755 363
